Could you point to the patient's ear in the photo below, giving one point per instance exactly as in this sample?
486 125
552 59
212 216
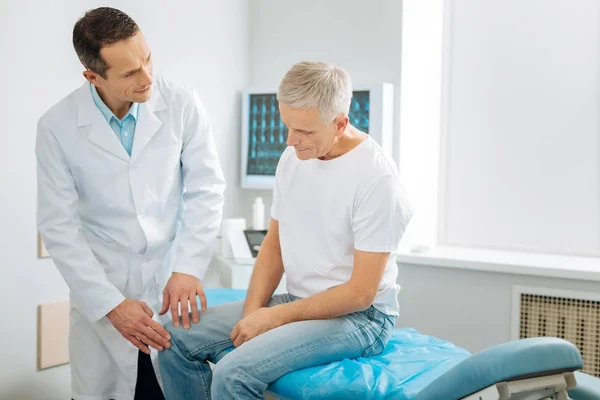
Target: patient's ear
341 122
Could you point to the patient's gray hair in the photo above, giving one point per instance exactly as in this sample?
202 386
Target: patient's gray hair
317 84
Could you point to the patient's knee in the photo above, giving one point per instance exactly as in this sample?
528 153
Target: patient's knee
181 332
229 372
237 376
224 378
186 339
177 334
224 370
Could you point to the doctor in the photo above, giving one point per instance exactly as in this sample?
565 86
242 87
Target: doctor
130 197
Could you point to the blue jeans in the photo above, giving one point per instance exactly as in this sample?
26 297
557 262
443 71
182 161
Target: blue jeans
246 372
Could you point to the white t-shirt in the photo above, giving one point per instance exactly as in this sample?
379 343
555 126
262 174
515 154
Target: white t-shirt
326 209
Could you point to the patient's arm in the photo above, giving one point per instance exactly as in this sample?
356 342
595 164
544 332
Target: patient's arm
355 295
267 272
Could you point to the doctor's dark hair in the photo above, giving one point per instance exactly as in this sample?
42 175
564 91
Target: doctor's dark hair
100 27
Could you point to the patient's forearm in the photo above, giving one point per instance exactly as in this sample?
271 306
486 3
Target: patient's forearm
266 276
332 303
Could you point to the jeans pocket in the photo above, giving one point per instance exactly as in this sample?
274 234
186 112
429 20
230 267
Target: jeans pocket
375 349
382 333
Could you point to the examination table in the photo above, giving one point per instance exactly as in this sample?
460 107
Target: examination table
422 367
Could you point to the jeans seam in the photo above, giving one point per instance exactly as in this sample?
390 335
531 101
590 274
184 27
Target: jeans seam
313 344
206 384
197 350
198 367
238 386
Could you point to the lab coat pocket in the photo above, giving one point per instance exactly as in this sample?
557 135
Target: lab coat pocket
113 260
164 157
97 234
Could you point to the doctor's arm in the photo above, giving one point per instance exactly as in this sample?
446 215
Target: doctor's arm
203 198
60 227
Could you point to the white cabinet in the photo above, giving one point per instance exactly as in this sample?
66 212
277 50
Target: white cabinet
241 272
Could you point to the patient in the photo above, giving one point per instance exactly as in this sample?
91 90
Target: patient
338 215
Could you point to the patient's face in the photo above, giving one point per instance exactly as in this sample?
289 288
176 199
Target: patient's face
308 133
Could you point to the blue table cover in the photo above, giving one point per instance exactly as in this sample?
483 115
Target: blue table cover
410 362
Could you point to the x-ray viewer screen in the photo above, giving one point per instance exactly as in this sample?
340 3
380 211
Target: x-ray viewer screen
268 135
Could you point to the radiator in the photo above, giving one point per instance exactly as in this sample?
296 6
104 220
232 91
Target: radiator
573 316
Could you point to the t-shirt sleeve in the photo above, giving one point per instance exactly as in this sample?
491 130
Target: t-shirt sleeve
276 200
381 216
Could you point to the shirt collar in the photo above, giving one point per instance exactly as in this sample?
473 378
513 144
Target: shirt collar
108 115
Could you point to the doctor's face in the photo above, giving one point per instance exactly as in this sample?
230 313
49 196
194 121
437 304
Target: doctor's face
310 136
129 73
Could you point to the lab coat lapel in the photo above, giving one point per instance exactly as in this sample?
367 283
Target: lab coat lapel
100 132
148 122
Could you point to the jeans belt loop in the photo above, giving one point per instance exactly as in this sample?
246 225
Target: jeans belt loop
371 312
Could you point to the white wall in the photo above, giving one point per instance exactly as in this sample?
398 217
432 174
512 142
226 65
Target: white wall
522 161
202 43
471 309
363 37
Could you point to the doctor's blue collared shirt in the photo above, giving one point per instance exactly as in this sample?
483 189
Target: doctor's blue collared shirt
124 128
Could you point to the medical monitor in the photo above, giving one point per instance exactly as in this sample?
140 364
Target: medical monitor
264 135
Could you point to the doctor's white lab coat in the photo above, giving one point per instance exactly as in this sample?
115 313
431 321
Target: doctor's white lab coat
116 225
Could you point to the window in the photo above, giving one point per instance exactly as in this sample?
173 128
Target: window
499 125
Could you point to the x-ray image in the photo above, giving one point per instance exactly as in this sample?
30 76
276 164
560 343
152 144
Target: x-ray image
267 133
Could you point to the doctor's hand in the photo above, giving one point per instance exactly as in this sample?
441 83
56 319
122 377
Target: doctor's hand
260 321
133 319
183 289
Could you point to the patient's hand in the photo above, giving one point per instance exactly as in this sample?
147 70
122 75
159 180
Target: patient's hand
260 321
